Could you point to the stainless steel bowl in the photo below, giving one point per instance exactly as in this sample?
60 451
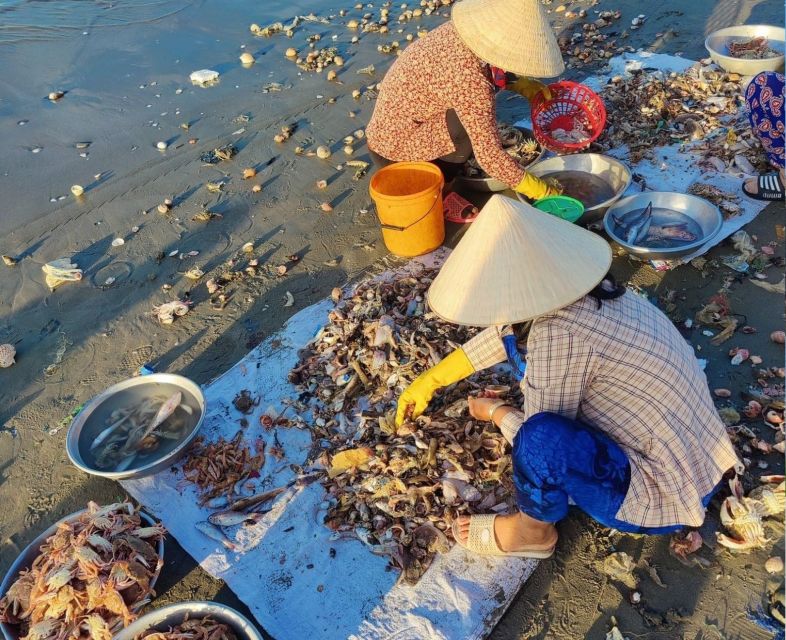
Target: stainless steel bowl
25 559
717 44
162 619
616 175
492 185
704 213
92 420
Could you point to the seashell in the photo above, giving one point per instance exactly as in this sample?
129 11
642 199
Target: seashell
331 75
161 145
356 94
7 353
291 52
212 286
77 190
256 188
163 208
355 40
168 202
322 184
359 134
722 393
249 172
194 273
281 269
255 28
756 360
54 96
349 140
326 207
323 152
192 140
248 247
246 58
752 409
9 261
778 337
349 150
353 24
774 565
118 242
336 294
738 355
338 61
290 299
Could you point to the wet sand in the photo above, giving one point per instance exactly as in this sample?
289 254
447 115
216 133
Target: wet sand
76 341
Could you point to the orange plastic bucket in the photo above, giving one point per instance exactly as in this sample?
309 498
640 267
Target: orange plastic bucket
408 197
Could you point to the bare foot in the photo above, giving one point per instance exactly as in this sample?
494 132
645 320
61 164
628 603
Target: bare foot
515 532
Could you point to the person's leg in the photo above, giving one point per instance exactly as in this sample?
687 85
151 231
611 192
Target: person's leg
764 98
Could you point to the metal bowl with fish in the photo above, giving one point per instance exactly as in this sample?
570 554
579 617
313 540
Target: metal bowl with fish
595 180
197 619
747 49
519 142
662 225
24 561
136 427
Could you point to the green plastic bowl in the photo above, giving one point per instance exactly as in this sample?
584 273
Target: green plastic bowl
563 207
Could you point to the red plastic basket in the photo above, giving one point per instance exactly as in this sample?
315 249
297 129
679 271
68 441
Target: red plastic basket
572 107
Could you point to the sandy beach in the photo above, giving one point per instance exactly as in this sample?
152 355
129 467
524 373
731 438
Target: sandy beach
125 78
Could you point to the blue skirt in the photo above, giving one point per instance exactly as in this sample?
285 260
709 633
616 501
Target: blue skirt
764 97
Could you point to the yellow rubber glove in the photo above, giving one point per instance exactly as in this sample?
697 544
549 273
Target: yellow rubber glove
529 88
535 188
451 369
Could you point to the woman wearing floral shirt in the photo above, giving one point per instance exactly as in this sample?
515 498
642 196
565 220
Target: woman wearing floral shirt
437 100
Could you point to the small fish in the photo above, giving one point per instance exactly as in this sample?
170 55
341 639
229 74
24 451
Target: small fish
214 533
635 227
245 503
229 518
101 437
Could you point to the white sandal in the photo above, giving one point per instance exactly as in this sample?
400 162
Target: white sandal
482 540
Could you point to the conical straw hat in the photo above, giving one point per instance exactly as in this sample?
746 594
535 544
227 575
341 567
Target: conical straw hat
514 35
516 263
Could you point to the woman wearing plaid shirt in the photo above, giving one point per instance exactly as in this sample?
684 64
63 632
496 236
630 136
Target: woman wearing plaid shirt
617 415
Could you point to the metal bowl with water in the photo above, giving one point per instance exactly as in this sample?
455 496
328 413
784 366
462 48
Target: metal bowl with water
492 185
25 559
717 44
92 420
166 617
704 216
611 174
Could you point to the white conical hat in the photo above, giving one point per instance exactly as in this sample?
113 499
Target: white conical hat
516 263
514 35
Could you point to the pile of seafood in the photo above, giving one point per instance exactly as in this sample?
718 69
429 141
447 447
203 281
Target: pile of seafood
754 49
88 578
700 107
398 489
523 148
194 629
726 201
588 44
319 59
141 429
220 469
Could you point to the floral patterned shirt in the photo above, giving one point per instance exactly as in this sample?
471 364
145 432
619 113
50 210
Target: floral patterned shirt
434 74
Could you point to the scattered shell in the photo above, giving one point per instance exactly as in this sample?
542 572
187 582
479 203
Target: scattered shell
161 145
338 61
56 95
118 242
774 565
752 409
326 207
249 172
336 294
194 273
359 134
322 184
778 337
163 208
212 286
356 94
256 188
722 393
291 52
247 58
353 24
77 190
7 353
738 355
331 75
323 152
290 299
9 261
248 247
168 202
281 270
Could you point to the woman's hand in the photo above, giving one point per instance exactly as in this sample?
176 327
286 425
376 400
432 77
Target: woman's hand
481 408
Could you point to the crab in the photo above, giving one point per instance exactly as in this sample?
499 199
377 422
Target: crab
742 515
96 627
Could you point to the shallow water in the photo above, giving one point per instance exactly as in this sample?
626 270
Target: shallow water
587 188
664 217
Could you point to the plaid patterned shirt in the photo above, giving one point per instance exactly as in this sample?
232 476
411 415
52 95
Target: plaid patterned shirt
625 369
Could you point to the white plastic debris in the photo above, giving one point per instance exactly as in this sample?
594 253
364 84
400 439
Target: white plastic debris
204 77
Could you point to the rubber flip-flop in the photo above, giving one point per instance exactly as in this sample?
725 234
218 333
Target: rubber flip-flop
770 188
482 540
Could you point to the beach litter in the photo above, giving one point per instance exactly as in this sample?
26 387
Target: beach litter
89 577
7 355
61 271
167 312
204 77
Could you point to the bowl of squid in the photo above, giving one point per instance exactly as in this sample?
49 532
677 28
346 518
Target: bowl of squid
137 427
662 225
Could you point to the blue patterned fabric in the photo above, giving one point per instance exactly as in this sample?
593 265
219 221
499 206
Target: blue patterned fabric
555 458
516 362
764 97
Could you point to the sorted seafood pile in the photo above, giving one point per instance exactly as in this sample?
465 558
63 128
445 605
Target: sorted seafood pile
701 107
726 201
88 578
523 148
195 628
398 489
754 49
139 430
